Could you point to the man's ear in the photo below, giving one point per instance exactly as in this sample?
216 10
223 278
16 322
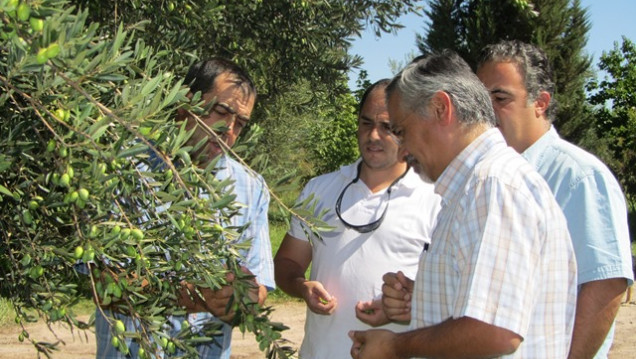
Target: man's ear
541 103
441 107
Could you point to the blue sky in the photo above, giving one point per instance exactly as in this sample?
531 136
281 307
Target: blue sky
610 19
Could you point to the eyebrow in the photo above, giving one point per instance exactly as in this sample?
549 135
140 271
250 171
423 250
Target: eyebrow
365 118
229 109
500 91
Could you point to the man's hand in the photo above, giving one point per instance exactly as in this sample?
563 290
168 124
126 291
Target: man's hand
371 312
215 301
397 292
372 344
317 298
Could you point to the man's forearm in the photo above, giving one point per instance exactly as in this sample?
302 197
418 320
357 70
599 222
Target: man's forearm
596 308
457 338
290 279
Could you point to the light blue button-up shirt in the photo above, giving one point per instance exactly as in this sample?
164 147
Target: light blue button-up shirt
594 207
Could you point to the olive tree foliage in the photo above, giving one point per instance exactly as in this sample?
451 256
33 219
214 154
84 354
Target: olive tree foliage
287 46
84 117
559 27
614 98
88 93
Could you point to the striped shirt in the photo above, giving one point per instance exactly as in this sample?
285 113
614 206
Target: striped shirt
500 253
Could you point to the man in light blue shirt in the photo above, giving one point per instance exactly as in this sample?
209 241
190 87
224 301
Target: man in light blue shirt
232 95
519 80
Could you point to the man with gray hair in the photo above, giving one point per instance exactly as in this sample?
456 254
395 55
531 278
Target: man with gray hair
499 278
519 79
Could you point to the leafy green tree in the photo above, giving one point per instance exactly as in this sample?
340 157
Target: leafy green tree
559 27
84 106
614 98
283 44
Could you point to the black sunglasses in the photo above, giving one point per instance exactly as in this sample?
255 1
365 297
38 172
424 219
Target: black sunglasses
369 227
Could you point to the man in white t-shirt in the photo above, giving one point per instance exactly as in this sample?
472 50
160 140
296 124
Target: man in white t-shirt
383 217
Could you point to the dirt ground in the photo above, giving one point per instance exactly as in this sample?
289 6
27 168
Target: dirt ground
245 347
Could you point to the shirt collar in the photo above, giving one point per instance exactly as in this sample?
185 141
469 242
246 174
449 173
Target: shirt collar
450 182
410 180
533 153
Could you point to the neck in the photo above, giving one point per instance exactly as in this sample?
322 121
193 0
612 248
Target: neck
378 179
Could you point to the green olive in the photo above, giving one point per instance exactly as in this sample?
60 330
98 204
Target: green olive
125 233
119 327
78 252
36 24
50 146
83 194
65 179
41 58
52 50
26 217
24 11
137 234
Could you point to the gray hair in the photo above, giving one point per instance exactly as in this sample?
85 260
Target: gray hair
444 71
533 65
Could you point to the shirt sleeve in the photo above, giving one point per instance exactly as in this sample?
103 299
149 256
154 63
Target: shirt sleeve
259 260
597 220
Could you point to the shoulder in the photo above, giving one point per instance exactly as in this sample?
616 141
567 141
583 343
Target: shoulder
332 180
568 162
239 171
507 166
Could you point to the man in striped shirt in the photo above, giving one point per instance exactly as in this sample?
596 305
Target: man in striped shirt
499 279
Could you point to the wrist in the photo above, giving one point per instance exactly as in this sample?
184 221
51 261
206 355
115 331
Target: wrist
300 286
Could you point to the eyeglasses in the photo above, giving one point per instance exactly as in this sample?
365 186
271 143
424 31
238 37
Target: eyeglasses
369 227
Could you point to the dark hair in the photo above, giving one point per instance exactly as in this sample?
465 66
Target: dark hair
363 99
443 71
532 63
201 75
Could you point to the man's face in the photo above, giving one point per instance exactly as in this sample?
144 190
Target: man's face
415 135
233 107
377 146
510 101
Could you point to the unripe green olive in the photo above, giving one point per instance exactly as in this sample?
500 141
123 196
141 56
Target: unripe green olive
26 217
119 327
52 50
50 146
89 255
36 24
83 194
170 348
125 233
24 11
65 179
72 197
137 234
78 252
41 58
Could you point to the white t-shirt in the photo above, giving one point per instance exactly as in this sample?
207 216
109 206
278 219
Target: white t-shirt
349 264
